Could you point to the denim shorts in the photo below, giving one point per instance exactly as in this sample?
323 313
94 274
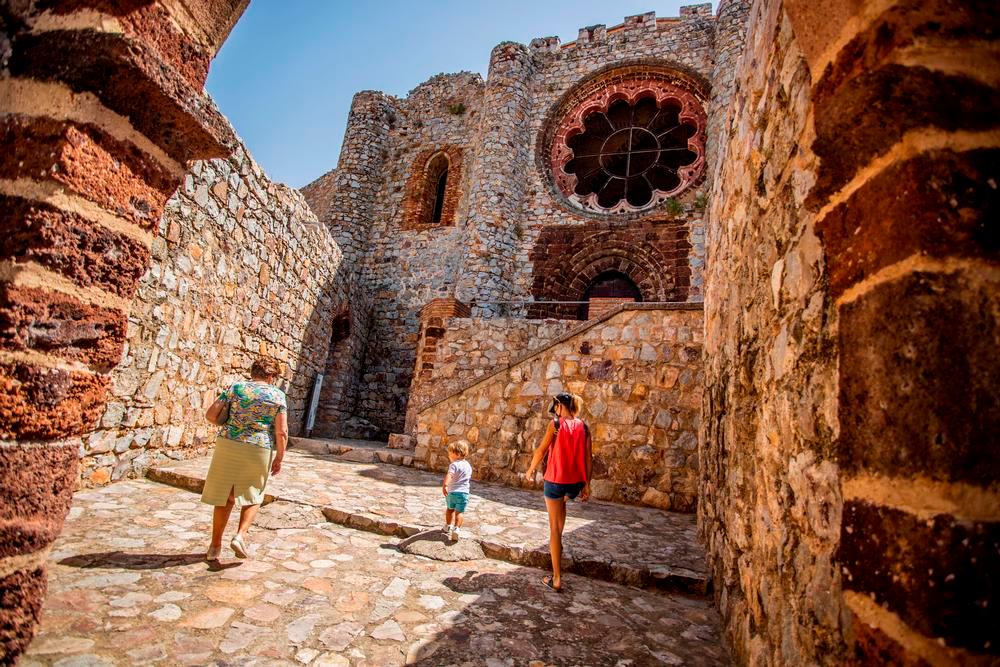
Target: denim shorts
457 501
555 491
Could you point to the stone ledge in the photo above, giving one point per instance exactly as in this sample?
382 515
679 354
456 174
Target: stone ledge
595 564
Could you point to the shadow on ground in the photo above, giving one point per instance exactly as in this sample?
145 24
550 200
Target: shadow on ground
513 616
437 545
131 561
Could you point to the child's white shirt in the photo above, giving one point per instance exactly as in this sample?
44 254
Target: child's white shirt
459 476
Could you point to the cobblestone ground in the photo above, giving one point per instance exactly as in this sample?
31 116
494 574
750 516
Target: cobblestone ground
128 586
622 543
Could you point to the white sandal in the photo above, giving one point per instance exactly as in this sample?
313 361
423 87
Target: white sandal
240 547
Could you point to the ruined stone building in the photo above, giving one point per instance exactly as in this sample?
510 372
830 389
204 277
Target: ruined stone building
760 241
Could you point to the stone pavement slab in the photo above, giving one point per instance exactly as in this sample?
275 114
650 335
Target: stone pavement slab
128 586
630 545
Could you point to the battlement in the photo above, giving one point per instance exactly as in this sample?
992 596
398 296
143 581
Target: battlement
636 25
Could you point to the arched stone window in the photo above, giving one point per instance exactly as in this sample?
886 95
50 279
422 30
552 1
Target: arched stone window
436 186
433 189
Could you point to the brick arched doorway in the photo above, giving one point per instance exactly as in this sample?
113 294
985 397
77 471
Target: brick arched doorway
606 291
569 259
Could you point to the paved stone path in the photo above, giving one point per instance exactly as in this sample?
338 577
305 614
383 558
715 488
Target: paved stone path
625 544
128 586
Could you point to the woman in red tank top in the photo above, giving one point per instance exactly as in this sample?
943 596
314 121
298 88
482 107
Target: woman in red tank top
567 472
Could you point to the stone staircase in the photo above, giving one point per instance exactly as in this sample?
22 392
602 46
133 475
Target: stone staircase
355 451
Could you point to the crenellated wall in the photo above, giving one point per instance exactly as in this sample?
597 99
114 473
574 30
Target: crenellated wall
491 250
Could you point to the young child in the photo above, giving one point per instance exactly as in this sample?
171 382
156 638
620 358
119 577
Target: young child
456 487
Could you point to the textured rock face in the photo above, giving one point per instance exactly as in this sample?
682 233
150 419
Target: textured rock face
847 502
770 500
240 268
639 373
469 349
436 545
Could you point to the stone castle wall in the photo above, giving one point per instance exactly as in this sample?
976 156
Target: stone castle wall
469 349
489 251
240 267
404 266
685 44
848 492
639 372
770 498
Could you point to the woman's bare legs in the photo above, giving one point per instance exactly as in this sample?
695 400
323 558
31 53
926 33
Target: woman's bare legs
247 515
220 517
557 520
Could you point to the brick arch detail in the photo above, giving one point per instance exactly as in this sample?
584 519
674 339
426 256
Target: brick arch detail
421 187
567 259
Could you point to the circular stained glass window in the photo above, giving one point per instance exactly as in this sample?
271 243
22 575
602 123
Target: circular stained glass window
630 151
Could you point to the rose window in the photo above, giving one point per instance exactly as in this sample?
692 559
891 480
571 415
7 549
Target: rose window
629 146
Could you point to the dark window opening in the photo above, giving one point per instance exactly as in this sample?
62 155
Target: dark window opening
607 291
630 151
442 184
340 329
435 185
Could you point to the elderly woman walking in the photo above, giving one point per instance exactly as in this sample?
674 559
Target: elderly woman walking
567 472
249 448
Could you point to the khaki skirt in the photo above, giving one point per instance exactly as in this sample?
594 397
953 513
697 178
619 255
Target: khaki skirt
240 467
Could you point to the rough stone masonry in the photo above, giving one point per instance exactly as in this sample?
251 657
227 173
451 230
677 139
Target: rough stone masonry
823 176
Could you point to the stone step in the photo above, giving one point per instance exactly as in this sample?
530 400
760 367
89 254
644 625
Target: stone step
356 451
627 545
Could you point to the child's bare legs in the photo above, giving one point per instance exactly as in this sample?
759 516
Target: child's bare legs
448 515
459 518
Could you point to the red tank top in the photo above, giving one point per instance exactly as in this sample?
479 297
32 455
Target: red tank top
567 462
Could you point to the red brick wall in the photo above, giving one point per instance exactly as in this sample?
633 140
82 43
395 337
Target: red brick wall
421 188
566 258
432 327
95 130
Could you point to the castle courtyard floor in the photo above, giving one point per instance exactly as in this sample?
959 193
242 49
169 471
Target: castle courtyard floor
128 585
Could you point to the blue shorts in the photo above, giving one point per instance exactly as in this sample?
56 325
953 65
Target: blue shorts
457 501
555 491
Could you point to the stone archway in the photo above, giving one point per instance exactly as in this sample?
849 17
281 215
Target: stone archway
567 259
606 291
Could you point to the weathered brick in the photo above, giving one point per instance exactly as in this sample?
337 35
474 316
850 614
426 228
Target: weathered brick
35 494
918 379
84 252
937 575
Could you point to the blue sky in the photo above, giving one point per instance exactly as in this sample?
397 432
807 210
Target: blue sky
286 75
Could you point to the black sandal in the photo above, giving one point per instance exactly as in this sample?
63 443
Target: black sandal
547 580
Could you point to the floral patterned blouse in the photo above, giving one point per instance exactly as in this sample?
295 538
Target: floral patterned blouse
253 407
